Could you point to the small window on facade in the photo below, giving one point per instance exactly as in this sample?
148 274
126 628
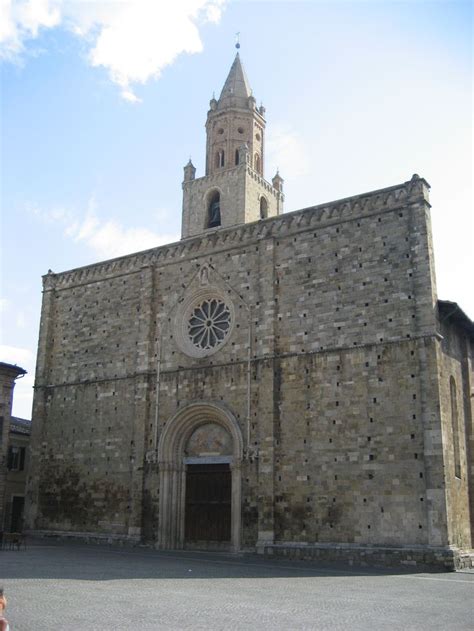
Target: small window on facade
220 159
236 156
263 208
455 427
257 163
214 210
16 458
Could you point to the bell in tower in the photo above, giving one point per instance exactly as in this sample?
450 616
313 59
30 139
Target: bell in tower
215 211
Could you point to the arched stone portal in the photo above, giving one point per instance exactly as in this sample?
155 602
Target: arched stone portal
202 433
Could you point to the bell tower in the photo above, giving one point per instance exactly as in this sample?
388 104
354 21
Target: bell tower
233 190
232 121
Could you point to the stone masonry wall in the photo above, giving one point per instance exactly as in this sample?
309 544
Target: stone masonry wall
333 312
455 363
255 188
230 184
240 190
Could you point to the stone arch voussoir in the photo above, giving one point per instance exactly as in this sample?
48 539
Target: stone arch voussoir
171 447
180 427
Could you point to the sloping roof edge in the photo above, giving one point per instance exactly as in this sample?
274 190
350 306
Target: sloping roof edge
452 311
20 425
13 368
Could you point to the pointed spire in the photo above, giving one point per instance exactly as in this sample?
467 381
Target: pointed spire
236 90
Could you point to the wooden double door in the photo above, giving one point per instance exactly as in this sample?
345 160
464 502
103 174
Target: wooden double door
208 503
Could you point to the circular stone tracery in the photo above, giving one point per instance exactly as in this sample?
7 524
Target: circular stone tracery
204 320
209 324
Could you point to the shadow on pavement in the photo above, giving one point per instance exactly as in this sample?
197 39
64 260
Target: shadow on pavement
44 559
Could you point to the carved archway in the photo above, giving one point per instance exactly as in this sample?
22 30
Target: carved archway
172 468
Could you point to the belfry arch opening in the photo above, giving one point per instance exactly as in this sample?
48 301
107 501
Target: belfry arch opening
213 215
220 159
257 163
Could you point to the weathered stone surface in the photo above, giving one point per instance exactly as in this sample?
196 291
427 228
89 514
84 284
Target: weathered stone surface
331 379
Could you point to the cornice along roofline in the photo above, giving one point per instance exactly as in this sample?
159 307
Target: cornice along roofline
346 209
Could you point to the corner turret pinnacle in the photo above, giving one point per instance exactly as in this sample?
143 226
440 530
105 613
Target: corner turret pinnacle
189 171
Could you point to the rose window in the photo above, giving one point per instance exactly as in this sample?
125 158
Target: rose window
209 324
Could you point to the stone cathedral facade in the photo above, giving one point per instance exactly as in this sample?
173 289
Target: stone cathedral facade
286 383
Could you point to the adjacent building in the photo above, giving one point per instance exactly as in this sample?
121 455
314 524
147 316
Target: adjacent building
14 440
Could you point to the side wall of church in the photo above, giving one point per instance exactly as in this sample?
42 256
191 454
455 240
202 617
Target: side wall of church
330 371
456 386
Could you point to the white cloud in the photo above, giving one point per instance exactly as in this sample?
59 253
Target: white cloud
22 20
129 96
287 152
134 40
21 320
162 215
57 214
14 355
109 238
23 393
4 305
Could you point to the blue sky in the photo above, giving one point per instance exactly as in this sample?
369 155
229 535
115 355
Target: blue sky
104 102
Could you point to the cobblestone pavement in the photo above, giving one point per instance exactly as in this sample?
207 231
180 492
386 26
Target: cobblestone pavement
52 587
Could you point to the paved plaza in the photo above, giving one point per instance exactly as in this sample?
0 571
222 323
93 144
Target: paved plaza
52 586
